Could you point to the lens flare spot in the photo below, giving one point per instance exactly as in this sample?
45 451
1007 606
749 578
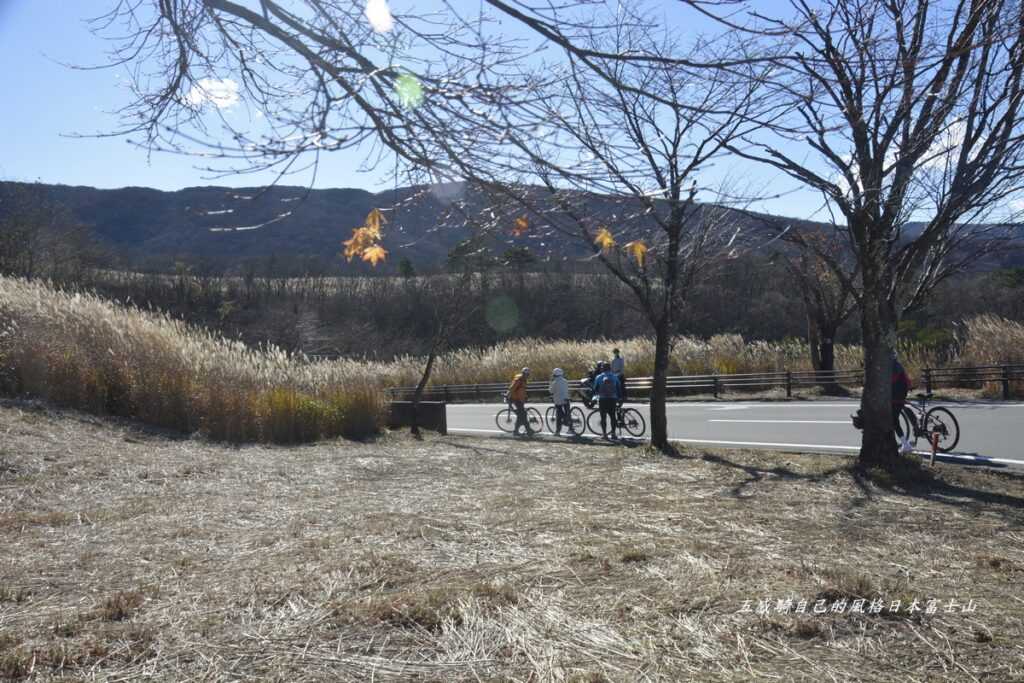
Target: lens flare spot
502 314
409 91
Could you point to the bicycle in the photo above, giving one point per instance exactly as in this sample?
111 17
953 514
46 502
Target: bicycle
577 420
917 420
628 419
506 418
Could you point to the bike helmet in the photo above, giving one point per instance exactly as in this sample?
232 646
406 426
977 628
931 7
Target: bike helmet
526 371
557 372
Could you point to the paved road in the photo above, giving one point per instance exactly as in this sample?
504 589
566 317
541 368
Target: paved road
987 430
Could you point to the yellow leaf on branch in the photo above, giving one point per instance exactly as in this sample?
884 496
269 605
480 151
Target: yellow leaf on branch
521 226
362 238
375 254
604 239
374 220
638 250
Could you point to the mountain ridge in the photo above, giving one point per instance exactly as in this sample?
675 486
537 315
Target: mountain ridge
225 226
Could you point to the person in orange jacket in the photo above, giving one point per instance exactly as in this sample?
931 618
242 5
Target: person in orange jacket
517 397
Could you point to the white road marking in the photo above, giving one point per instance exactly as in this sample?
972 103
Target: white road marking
767 443
791 422
799 404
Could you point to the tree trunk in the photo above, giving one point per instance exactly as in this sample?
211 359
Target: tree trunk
827 352
659 422
417 395
823 356
878 325
814 342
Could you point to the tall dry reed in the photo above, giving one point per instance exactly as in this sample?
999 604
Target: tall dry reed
690 356
991 340
82 351
721 354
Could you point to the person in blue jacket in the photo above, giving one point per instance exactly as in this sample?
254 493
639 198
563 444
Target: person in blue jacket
609 392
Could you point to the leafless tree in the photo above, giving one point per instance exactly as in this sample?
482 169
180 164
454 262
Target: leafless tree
307 77
643 133
449 303
453 100
908 121
813 257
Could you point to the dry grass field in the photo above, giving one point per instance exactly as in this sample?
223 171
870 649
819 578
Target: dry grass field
130 554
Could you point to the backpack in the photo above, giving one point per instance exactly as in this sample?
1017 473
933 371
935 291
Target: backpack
900 383
607 387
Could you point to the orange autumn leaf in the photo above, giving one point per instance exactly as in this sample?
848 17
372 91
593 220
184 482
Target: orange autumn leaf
362 238
374 220
375 254
638 250
604 239
521 226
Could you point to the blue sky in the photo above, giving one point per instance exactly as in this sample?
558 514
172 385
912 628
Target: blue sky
48 103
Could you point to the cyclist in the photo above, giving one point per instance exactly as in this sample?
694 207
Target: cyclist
619 368
517 397
608 395
560 397
900 389
900 382
587 384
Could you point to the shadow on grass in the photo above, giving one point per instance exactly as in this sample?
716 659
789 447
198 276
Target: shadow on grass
973 489
510 444
976 489
757 474
135 430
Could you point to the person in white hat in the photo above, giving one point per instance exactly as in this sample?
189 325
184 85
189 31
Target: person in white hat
559 388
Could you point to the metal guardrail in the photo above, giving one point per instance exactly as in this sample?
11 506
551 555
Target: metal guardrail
716 385
974 375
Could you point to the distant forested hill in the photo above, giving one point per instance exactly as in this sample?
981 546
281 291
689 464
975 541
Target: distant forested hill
227 226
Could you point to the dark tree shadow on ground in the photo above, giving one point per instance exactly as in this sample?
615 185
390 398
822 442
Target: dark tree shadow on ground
972 488
757 474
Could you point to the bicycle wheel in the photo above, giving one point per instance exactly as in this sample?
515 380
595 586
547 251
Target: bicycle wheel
908 421
633 422
551 419
534 422
506 420
940 421
577 421
594 422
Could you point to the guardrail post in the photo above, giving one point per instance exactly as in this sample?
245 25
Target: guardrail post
1006 383
789 384
447 396
927 380
714 386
